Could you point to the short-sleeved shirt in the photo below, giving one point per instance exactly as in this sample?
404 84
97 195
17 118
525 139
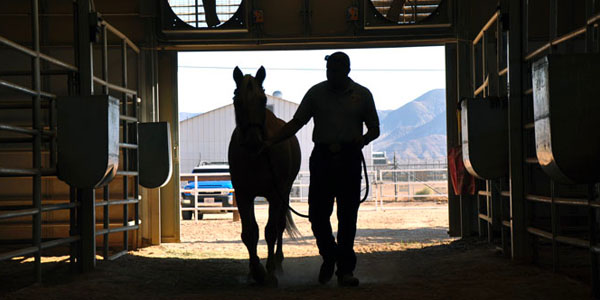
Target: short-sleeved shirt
338 115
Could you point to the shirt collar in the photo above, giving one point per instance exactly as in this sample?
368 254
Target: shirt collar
348 89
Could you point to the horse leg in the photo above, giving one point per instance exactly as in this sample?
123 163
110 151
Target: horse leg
271 234
282 223
279 252
250 236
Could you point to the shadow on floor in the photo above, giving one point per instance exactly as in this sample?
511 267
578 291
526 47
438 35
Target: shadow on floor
464 269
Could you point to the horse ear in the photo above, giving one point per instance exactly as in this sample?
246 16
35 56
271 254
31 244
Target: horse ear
261 74
238 75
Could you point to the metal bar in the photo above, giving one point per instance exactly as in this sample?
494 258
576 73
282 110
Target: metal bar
572 241
540 233
87 197
503 72
58 242
558 200
117 202
37 140
554 218
520 243
126 164
594 19
7 172
128 119
20 252
23 89
531 160
115 87
33 53
117 229
106 191
136 180
485 218
4 127
557 41
121 36
489 24
127 173
19 213
482 87
54 207
128 146
117 255
74 256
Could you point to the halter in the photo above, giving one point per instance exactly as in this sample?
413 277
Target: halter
247 125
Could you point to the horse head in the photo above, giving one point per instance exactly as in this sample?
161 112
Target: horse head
250 103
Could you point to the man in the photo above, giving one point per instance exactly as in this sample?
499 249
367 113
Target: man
339 107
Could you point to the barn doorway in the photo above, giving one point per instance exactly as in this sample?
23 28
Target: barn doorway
407 202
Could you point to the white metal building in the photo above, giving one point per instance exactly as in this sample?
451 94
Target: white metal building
205 137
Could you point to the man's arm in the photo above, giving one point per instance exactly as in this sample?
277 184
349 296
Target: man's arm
371 135
289 129
371 120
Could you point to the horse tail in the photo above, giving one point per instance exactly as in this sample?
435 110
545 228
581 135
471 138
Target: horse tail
290 226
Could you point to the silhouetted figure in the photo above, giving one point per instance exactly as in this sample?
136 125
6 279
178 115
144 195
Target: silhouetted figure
210 12
270 173
339 107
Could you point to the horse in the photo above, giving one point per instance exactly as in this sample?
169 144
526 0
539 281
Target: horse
256 171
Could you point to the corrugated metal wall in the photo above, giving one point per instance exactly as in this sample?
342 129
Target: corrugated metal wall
206 136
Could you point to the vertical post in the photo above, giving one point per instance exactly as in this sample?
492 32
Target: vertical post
452 137
106 191
126 164
517 35
465 89
86 197
196 197
555 225
170 193
73 229
37 140
592 195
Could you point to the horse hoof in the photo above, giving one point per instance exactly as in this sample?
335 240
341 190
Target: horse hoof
258 273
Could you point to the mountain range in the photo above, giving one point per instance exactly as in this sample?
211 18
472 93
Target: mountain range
416 130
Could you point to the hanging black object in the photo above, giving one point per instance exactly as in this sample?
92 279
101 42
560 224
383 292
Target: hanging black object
156 166
88 140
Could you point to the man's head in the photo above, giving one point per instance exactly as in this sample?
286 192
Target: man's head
338 68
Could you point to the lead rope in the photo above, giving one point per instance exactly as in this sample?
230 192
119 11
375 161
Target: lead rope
364 164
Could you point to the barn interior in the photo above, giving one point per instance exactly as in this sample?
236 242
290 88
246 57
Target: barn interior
89 141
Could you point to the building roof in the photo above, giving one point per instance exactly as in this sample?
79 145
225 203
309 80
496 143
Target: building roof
269 97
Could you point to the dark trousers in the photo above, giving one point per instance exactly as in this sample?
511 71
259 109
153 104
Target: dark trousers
335 175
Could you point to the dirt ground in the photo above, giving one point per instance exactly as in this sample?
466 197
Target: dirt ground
403 252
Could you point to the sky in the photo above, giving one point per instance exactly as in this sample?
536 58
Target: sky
395 76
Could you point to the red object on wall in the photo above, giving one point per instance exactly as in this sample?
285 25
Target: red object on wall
352 14
258 16
462 182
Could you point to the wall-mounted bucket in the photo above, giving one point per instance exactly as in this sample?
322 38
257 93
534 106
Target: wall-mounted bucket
566 94
87 140
484 127
155 161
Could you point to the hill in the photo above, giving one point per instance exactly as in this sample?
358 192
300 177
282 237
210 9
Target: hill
416 130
